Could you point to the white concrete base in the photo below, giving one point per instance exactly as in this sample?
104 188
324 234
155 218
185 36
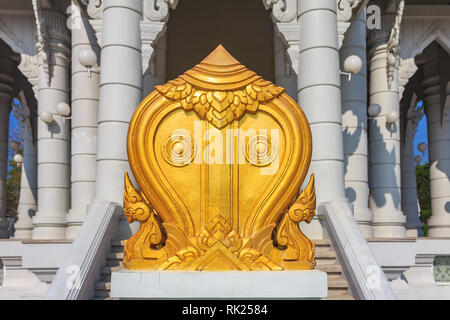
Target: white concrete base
308 284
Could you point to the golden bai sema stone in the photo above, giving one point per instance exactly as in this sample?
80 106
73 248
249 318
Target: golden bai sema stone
219 155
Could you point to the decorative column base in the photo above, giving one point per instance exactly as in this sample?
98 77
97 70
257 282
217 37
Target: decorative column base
49 227
363 217
387 224
23 230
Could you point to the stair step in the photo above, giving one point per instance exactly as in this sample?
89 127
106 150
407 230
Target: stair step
107 270
337 284
117 243
341 297
330 268
102 286
115 256
325 254
322 242
337 292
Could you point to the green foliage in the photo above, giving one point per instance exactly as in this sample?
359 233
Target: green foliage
15 146
13 189
423 194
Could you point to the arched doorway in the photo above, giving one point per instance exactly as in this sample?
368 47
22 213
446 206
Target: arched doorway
196 27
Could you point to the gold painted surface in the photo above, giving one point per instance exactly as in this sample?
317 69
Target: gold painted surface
198 212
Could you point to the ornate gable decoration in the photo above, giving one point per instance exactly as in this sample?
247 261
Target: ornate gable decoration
196 214
220 89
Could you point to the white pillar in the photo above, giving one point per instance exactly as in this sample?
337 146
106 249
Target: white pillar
156 66
120 93
319 95
85 89
8 64
5 107
410 207
284 74
28 180
384 140
437 102
354 125
53 140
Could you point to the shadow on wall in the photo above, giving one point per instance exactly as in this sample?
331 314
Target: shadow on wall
384 156
352 140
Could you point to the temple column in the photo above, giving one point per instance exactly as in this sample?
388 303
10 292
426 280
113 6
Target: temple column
8 64
153 55
354 125
384 137
319 95
85 88
53 139
5 107
408 127
285 75
120 93
435 64
28 180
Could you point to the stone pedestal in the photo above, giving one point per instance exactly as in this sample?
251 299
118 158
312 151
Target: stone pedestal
308 284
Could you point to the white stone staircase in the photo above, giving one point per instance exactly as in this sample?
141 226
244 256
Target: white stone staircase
325 257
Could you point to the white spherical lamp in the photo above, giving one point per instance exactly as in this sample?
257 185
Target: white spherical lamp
87 57
46 117
374 110
352 64
392 117
422 147
63 109
418 159
18 158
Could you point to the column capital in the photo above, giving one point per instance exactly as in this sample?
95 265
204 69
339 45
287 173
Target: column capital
282 10
151 31
95 9
289 33
388 38
52 35
347 9
158 10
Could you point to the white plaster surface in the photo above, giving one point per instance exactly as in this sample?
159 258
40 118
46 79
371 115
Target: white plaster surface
308 284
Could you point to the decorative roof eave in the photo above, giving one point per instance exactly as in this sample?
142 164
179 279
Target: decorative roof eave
282 10
346 9
43 37
393 44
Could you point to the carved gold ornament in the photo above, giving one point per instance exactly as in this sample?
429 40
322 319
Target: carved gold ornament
219 155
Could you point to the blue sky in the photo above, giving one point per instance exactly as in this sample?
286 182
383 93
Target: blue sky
421 136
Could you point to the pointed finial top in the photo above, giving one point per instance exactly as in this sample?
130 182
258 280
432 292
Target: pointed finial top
219 71
220 57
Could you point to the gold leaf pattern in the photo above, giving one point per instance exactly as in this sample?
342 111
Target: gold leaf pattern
220 107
